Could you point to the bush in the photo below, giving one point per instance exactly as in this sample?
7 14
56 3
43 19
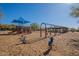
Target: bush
34 26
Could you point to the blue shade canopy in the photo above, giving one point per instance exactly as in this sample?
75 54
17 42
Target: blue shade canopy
20 21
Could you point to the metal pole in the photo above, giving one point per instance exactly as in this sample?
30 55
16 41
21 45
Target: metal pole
40 31
45 31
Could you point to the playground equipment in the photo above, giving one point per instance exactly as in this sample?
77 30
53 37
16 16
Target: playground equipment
53 28
20 28
45 29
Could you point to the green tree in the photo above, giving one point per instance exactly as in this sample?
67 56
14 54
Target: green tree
75 11
35 26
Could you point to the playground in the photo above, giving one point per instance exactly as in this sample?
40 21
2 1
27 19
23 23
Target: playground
37 42
29 40
63 45
38 30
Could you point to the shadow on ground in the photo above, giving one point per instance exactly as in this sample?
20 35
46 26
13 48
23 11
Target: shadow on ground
47 51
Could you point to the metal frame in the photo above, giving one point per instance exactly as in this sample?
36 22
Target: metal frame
51 25
45 29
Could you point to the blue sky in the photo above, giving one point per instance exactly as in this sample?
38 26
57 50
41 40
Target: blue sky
58 14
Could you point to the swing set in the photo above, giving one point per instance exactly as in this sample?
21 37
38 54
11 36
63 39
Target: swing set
53 28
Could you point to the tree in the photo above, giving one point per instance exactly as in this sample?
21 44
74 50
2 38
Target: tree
75 11
1 14
35 26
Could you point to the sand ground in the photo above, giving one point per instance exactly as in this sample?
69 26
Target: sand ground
66 44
